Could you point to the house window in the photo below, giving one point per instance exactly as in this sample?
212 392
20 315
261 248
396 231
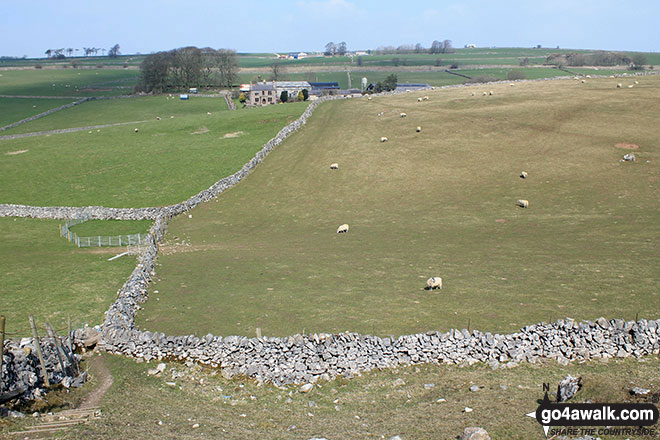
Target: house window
270 99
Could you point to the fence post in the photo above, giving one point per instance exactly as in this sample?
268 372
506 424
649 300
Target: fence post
37 347
139 239
99 241
58 348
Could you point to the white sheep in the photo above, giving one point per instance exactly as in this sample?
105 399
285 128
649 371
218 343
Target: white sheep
342 229
426 98
334 166
472 93
523 203
512 85
158 118
629 157
631 86
403 115
434 283
485 93
491 93
419 99
523 175
171 116
418 129
636 82
136 130
588 76
369 98
383 139
208 113
582 81
618 86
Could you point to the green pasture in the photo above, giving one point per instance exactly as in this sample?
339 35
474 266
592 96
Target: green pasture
165 162
16 109
437 203
46 276
111 227
111 111
66 82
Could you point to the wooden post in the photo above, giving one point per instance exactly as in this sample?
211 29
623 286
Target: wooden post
2 342
39 354
70 338
58 347
258 332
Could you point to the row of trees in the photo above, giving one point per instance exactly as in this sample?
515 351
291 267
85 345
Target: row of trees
188 67
113 52
437 46
636 62
335 49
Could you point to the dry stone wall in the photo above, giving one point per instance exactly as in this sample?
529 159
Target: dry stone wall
41 115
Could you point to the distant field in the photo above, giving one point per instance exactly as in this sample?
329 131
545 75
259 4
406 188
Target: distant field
45 275
65 82
441 202
16 109
166 162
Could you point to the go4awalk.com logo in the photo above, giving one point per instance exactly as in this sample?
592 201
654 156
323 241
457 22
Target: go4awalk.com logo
596 419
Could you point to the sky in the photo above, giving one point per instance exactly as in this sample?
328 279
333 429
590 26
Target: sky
29 27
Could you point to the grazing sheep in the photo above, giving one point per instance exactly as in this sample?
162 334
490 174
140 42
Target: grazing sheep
523 175
383 139
485 93
523 203
426 98
342 229
208 113
419 99
629 157
418 129
434 283
636 82
582 81
369 98
334 166
618 86
136 130
491 93
171 116
588 76
403 115
631 86
158 118
512 85
472 93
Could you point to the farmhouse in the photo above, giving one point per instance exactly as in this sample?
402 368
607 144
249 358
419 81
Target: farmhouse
262 94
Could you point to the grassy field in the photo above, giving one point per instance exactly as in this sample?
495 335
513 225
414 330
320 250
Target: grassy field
369 407
44 275
16 109
65 82
120 168
440 202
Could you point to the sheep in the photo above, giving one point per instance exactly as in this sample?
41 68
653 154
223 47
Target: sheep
631 86
629 157
426 98
512 85
418 129
472 93
342 229
208 113
419 99
588 76
523 203
636 82
582 81
136 130
403 115
158 118
485 93
369 98
523 175
171 116
618 86
334 166
491 93
383 139
434 283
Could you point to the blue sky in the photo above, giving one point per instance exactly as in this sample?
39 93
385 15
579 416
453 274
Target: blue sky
29 27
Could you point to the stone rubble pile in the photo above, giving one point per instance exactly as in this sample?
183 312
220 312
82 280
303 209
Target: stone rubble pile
21 370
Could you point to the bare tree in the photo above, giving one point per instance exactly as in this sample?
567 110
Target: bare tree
330 48
447 47
228 67
69 51
48 52
436 47
277 71
341 48
418 48
114 51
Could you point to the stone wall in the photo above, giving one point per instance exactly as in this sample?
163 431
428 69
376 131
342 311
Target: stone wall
41 115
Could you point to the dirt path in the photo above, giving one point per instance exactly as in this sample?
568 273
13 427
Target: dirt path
102 373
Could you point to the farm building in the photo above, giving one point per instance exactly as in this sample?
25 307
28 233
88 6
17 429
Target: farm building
291 87
411 86
324 85
262 94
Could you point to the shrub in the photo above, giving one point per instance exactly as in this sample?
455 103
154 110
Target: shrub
454 66
75 64
37 66
524 62
482 79
515 74
438 62
99 66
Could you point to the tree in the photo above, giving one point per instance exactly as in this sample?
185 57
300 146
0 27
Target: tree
48 52
638 61
69 51
359 61
242 98
419 48
154 72
341 48
447 47
301 97
114 51
436 47
305 94
387 85
284 96
186 67
277 71
330 49
227 66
